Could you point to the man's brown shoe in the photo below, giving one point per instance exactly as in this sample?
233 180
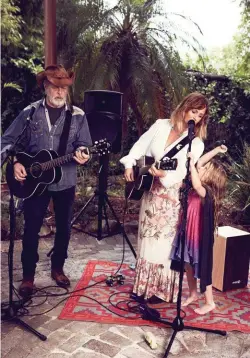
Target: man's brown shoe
60 278
27 286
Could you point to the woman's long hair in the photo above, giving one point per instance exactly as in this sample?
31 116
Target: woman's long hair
215 182
194 100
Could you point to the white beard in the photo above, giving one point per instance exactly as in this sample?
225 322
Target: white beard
57 102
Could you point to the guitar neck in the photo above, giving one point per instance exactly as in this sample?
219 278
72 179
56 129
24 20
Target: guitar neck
101 148
57 162
159 165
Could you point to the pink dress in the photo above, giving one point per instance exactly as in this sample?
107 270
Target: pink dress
193 233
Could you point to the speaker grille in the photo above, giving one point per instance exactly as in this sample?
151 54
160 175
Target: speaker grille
103 110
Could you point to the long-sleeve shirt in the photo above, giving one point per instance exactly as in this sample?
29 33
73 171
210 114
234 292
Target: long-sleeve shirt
40 134
152 143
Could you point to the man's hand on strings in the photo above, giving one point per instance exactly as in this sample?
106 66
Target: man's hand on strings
19 172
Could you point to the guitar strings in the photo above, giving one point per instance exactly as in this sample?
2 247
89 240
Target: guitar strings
60 160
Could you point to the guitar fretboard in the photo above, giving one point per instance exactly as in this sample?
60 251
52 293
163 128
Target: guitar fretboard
57 162
100 148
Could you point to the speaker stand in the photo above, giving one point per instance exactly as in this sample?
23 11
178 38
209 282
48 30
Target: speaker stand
103 203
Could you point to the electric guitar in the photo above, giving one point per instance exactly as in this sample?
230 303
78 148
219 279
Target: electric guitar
44 168
143 180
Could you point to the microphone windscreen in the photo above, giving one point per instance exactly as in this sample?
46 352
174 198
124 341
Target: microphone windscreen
191 125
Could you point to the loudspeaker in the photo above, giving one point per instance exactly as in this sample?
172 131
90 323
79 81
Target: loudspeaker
103 111
231 255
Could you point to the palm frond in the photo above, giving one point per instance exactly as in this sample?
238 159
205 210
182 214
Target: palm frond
13 86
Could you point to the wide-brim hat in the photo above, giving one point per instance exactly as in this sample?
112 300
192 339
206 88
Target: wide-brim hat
57 75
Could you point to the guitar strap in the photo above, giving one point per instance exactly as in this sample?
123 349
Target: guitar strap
173 151
65 134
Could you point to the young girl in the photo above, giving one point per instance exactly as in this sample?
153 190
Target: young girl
208 182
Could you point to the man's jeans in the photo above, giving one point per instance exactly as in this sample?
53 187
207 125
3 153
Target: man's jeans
34 213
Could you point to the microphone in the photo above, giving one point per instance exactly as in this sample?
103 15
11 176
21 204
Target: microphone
191 125
31 112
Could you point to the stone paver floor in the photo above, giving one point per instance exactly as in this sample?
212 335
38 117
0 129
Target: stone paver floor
94 340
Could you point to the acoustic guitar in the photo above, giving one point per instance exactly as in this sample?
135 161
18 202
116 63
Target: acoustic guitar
44 168
143 180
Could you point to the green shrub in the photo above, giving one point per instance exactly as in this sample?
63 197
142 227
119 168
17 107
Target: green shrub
240 185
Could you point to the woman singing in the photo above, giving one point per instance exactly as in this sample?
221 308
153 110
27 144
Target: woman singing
160 207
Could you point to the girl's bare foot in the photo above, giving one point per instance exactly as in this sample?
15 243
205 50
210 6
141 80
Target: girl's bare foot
189 300
205 309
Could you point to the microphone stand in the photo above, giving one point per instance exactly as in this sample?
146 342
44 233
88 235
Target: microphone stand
10 313
152 314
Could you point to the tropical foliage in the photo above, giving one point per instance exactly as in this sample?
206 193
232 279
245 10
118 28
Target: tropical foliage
240 184
234 59
229 109
22 54
132 51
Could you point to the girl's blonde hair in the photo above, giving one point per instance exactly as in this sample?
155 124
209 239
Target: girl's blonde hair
215 182
194 100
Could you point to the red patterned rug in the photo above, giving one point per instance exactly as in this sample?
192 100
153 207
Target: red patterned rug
232 307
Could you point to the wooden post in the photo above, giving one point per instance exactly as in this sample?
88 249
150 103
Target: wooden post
50 43
50 32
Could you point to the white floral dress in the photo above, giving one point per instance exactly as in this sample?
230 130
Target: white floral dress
159 212
158 221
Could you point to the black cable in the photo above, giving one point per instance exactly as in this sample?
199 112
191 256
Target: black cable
47 295
117 304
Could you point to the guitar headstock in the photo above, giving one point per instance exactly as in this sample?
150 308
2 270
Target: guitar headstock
101 147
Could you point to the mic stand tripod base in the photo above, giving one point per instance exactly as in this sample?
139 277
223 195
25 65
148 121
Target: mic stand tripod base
151 314
9 314
103 204
178 326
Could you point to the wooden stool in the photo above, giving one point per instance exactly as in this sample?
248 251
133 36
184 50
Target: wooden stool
231 255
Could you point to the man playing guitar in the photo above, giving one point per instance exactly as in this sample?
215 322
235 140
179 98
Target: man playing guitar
48 130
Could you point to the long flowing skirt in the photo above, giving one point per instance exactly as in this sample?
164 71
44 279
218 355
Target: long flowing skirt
158 221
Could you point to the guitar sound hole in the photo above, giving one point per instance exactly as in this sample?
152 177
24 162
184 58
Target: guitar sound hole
36 170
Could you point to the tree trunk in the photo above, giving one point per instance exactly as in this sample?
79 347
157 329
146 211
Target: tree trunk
138 116
124 116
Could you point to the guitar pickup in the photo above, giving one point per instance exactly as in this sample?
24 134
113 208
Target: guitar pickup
167 164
